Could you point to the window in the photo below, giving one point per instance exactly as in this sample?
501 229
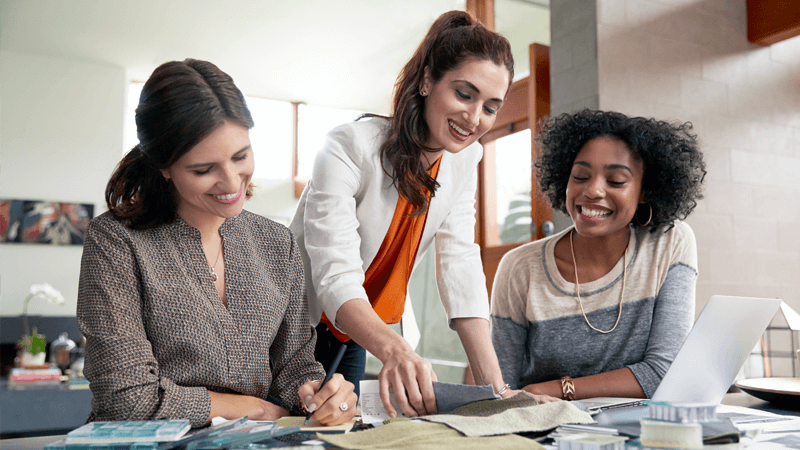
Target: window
314 122
271 138
513 190
272 134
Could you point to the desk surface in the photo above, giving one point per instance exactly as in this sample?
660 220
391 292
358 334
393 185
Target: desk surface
747 400
736 399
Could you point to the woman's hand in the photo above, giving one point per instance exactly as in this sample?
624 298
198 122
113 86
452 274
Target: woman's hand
332 405
541 393
541 398
233 406
411 378
409 375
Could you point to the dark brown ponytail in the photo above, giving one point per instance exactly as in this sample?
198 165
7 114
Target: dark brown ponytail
453 38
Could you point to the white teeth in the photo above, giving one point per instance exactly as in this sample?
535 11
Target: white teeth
457 128
594 212
226 197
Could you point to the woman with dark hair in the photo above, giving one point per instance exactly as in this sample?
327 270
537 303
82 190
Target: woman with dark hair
382 189
601 309
191 307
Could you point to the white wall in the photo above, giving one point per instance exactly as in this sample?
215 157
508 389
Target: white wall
60 137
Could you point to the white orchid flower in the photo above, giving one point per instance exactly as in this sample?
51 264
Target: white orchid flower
40 290
49 292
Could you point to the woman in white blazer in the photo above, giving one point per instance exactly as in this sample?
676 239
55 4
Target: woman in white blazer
446 98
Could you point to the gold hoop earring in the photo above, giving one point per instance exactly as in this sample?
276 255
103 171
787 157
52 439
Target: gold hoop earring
648 219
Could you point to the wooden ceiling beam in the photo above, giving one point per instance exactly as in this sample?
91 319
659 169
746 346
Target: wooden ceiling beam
771 21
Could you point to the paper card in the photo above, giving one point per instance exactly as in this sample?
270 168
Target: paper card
372 410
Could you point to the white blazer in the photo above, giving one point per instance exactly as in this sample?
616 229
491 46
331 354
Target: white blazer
347 207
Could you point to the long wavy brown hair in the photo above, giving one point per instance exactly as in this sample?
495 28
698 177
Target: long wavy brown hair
454 38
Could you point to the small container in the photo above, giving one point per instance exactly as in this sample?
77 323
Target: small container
657 433
76 368
60 352
683 413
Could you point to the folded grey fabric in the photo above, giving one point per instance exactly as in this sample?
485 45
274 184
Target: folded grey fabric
489 407
450 396
517 414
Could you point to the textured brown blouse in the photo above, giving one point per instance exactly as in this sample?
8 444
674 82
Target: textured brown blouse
158 336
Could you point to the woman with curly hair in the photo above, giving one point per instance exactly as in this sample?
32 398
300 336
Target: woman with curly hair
382 189
601 309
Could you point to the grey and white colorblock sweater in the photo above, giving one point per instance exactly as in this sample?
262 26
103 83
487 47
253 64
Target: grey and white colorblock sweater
540 334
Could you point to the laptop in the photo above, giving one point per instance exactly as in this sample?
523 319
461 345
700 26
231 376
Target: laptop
707 363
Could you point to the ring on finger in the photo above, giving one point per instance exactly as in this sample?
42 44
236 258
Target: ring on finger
343 407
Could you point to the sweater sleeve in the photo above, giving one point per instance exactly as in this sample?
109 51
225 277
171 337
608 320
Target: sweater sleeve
292 351
123 373
673 314
509 325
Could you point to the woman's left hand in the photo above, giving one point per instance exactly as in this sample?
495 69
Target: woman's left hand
332 405
540 391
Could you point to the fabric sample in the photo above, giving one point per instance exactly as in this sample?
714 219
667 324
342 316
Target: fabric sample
506 416
490 407
450 396
415 435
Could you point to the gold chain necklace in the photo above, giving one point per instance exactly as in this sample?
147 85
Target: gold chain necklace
214 276
578 286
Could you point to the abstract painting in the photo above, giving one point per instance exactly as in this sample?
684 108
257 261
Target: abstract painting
42 222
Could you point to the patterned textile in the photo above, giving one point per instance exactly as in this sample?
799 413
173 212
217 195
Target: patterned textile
158 337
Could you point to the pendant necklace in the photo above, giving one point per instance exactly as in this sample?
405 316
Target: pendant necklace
578 287
214 276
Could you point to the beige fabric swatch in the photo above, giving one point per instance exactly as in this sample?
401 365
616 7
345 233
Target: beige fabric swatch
476 419
408 435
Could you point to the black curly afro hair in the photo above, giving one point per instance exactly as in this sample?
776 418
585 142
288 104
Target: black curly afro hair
673 164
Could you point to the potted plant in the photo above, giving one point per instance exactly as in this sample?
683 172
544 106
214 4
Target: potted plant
32 347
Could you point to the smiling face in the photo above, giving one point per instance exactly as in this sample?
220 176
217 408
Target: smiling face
604 188
463 105
212 178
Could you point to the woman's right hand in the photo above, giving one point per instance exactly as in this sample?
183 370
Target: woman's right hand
332 404
411 378
409 375
233 406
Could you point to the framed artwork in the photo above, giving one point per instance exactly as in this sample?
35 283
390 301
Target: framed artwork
42 222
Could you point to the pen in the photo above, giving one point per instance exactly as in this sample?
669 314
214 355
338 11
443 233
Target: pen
330 373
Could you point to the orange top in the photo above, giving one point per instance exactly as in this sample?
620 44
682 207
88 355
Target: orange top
387 277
